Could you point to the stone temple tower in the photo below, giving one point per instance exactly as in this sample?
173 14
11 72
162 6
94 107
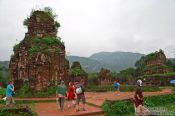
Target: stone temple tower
40 57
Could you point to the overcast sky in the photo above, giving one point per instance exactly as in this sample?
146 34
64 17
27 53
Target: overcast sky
90 26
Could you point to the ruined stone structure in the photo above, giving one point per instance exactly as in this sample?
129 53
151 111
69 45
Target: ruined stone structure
40 57
105 77
154 69
77 73
156 63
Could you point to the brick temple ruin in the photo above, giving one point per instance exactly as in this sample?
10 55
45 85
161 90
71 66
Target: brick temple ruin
156 64
105 77
156 70
40 57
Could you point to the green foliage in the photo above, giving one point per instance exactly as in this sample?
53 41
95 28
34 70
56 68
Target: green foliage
16 47
4 76
33 49
25 22
125 107
57 25
146 68
93 79
171 63
140 64
48 13
115 108
76 64
42 45
25 92
2 92
47 40
104 73
160 75
159 100
123 88
17 111
77 72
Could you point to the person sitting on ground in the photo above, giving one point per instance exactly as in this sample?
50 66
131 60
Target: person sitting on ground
9 99
71 95
116 86
79 90
61 90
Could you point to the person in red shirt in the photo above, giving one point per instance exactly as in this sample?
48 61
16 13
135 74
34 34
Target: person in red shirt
71 95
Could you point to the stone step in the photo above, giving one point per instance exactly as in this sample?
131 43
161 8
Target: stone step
93 113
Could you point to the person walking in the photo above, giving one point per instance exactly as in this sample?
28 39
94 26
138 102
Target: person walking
116 86
61 90
71 95
138 100
9 99
79 90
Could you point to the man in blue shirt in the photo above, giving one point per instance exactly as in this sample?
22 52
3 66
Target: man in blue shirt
9 90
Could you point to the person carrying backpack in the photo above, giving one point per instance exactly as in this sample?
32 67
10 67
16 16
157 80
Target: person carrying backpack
79 91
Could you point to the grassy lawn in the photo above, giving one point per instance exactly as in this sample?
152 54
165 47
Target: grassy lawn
2 92
161 103
123 88
168 109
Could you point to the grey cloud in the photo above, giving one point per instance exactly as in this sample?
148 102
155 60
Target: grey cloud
89 26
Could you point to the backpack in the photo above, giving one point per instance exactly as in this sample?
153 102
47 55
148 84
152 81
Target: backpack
79 90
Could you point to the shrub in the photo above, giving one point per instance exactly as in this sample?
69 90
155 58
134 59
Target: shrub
114 108
2 92
17 111
153 101
123 88
24 92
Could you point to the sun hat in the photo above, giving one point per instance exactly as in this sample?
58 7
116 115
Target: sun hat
139 82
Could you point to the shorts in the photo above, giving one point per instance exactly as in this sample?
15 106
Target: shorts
81 97
9 100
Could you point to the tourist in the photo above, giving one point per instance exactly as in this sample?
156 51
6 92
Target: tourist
9 90
116 86
61 90
79 90
71 95
138 100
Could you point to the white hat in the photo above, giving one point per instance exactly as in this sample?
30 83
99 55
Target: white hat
139 82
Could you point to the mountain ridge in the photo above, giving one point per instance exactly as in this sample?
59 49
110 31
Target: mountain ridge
114 61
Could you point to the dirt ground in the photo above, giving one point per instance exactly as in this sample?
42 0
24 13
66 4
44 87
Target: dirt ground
97 98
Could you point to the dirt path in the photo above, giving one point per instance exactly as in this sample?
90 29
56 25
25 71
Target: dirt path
52 109
97 98
100 97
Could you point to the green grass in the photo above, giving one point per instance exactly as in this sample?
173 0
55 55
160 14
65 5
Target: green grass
123 88
125 107
18 110
24 92
115 108
2 91
29 101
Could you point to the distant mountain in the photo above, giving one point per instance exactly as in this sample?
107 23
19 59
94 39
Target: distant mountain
4 64
115 61
88 64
